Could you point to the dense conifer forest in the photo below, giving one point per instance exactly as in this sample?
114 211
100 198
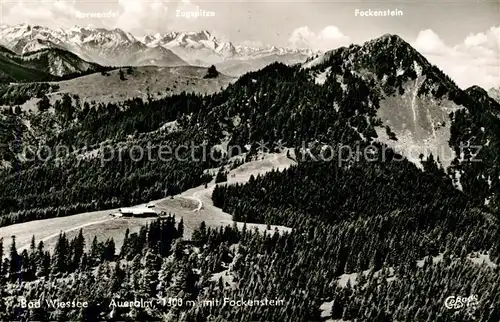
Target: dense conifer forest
297 270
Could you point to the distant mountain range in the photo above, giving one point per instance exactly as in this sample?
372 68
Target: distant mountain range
119 48
101 46
60 52
203 46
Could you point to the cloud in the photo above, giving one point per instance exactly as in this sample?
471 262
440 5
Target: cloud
476 40
51 13
488 40
133 15
329 38
474 61
142 16
428 41
188 6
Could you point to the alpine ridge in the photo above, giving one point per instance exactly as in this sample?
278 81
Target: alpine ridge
102 46
119 48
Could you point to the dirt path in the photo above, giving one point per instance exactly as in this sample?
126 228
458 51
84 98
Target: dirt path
55 235
206 211
194 206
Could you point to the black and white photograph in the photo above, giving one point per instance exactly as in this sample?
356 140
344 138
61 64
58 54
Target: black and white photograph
250 160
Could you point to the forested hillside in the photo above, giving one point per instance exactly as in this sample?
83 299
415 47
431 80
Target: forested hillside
46 188
299 272
49 64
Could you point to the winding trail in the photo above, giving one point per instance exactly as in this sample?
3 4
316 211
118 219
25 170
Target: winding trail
65 231
205 209
193 206
195 198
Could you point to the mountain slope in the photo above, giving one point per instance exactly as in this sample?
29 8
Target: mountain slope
410 93
6 51
42 65
141 82
238 67
422 110
11 70
483 97
57 62
495 94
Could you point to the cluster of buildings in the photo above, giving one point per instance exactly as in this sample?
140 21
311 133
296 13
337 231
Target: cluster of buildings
140 211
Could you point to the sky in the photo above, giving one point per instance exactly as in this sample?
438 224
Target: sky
462 37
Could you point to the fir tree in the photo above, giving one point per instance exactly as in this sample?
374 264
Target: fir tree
43 104
14 262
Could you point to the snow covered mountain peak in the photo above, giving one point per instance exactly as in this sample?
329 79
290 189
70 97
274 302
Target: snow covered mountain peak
14 37
112 47
186 43
201 40
116 47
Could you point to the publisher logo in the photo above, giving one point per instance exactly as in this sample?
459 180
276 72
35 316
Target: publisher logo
468 303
